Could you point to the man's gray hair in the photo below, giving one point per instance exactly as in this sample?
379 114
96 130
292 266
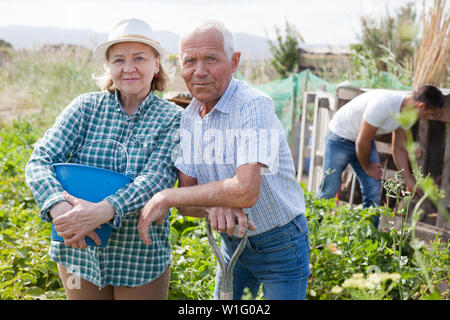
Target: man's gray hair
227 35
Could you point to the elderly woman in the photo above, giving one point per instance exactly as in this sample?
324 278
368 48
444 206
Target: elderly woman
128 112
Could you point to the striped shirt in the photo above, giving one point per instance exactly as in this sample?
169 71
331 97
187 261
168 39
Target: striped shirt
92 120
242 128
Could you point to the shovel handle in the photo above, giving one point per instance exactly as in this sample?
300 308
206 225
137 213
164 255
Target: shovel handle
226 288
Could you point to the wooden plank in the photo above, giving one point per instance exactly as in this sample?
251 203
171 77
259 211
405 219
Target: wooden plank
442 115
348 93
441 222
423 148
312 162
383 147
307 96
436 148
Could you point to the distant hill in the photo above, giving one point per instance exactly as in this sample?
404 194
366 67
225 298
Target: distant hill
251 46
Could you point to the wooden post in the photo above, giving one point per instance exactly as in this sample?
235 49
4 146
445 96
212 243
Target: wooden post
441 222
293 118
322 115
307 97
423 139
312 157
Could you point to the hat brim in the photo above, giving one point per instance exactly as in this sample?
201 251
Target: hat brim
100 50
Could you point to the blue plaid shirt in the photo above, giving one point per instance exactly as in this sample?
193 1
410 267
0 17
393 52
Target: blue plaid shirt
242 128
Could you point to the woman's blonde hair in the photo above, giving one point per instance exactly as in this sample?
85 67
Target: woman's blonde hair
105 82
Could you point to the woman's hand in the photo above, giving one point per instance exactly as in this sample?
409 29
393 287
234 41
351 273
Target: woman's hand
82 220
62 208
154 211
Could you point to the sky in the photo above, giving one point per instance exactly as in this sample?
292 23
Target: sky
318 21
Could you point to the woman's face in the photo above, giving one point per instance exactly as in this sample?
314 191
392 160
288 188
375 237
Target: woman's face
133 66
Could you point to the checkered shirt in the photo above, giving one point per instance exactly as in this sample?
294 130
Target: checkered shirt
149 136
242 128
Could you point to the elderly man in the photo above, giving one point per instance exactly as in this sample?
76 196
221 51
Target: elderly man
350 139
234 155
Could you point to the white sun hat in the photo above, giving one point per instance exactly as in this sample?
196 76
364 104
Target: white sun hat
127 30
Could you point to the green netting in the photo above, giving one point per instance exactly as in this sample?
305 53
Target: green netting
383 80
287 94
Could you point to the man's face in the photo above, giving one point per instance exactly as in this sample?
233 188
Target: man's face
205 67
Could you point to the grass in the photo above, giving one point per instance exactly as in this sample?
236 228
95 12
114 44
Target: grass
44 82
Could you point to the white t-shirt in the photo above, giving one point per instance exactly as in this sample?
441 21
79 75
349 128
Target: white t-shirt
377 107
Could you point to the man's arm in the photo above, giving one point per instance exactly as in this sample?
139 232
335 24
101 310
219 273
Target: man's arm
222 219
240 191
366 135
400 156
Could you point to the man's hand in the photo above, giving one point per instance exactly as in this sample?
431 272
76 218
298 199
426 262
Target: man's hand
401 160
374 170
224 220
154 211
363 148
409 186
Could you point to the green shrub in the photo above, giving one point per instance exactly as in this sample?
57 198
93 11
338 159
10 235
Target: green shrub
193 262
26 272
347 249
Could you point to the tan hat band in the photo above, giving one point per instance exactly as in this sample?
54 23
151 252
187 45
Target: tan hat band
135 36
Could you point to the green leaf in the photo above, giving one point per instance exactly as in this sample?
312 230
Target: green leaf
34 291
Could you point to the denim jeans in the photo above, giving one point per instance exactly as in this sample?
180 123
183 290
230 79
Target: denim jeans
278 259
340 152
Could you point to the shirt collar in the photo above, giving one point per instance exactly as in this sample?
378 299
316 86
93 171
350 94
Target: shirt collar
223 104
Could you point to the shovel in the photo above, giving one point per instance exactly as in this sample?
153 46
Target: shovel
226 274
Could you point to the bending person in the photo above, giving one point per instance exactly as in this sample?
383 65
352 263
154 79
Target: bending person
350 139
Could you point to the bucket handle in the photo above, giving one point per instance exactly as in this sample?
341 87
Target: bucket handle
127 170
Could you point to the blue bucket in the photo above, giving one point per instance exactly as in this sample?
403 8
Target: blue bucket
91 184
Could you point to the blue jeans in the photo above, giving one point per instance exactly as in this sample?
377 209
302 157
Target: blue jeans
340 152
278 258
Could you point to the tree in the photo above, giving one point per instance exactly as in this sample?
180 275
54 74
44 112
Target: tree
5 44
396 35
5 50
285 50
